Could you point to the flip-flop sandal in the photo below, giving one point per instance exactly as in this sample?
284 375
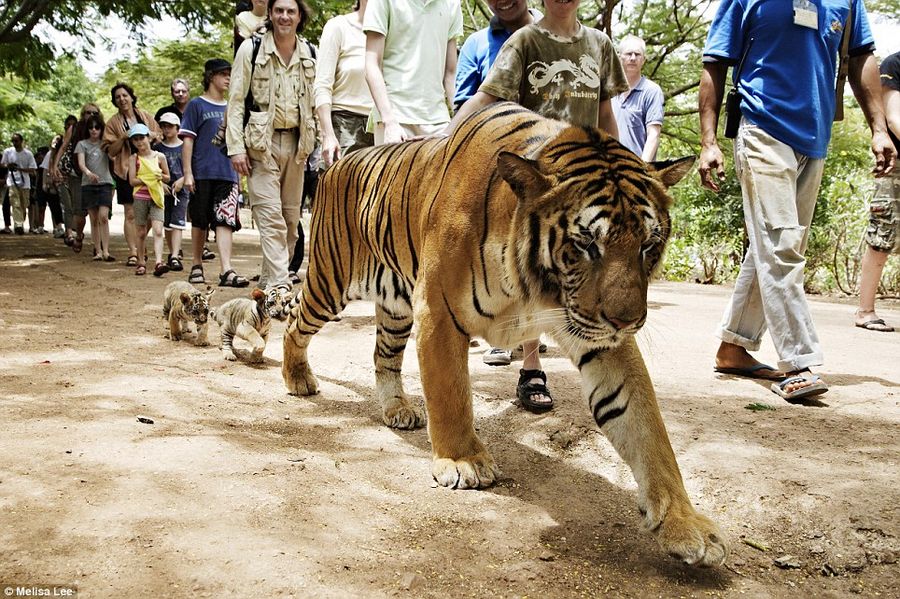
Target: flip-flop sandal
817 387
132 261
525 389
78 244
97 258
876 324
160 269
140 270
196 277
752 372
229 278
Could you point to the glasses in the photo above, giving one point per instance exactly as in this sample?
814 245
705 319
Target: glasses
94 127
91 113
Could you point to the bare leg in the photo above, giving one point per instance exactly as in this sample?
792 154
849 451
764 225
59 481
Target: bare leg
131 232
872 266
157 241
223 242
103 226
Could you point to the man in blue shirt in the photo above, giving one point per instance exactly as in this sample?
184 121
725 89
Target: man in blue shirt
639 111
788 58
480 49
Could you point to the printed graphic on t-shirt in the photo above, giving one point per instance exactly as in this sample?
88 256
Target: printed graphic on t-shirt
562 74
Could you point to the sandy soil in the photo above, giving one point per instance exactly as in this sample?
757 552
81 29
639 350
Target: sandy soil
240 490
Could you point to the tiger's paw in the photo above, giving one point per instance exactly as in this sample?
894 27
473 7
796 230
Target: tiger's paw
202 343
299 380
692 538
255 357
471 472
400 413
229 356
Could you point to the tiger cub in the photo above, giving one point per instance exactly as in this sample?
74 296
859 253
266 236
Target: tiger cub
249 320
184 304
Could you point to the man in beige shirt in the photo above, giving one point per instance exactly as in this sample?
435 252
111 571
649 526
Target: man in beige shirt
280 132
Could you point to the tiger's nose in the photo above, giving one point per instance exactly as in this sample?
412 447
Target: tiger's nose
620 324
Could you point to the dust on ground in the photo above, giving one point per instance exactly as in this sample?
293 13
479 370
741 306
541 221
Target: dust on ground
239 490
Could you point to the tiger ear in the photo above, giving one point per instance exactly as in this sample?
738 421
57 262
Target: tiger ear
185 298
257 294
522 175
672 171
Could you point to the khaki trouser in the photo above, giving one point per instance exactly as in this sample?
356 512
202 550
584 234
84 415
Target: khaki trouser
779 187
18 201
276 189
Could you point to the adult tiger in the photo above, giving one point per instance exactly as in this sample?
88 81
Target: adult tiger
513 226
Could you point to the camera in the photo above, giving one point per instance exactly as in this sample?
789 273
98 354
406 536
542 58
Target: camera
13 167
732 113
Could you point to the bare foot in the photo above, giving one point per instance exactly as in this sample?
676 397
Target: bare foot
731 356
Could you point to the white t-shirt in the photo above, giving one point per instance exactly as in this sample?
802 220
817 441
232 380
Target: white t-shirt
23 159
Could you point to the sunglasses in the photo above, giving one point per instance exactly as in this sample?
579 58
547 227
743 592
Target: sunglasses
95 127
91 113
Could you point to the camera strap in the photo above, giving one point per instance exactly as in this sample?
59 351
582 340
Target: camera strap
843 68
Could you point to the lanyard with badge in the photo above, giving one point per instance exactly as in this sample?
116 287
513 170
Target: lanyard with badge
806 14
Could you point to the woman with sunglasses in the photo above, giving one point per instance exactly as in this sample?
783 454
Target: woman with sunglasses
96 186
68 179
115 144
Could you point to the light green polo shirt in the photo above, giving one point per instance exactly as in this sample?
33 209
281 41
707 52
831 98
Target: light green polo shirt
416 33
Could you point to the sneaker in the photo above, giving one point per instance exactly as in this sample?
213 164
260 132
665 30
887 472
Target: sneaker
19 231
59 233
5 231
497 357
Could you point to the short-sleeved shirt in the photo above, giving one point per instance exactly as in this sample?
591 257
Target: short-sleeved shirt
341 70
170 108
23 159
890 78
201 122
635 110
557 77
96 162
787 80
416 33
478 54
173 160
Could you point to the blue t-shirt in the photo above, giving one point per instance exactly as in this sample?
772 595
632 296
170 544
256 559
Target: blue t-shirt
787 81
634 110
477 55
176 171
201 122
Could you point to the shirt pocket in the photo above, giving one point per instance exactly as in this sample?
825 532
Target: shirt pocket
261 86
256 133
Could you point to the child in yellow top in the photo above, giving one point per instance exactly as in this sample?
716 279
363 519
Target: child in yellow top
147 173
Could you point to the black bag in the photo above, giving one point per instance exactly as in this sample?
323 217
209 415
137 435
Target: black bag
732 113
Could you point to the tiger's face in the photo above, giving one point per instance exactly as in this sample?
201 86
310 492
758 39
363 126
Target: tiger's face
196 306
595 222
277 303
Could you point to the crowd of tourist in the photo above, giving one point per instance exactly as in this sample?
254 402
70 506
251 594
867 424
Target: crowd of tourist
390 70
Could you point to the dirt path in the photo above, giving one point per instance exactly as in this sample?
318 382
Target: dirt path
240 490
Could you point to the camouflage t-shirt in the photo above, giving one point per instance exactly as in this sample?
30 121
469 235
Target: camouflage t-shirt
557 77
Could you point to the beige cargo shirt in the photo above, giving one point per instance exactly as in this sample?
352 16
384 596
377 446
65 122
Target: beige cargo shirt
284 93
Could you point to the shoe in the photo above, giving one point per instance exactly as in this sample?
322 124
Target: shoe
141 270
34 231
132 261
58 233
77 243
229 278
525 390
69 240
196 276
816 387
497 357
876 324
19 231
207 255
175 264
109 258
5 231
160 269
294 277
41 231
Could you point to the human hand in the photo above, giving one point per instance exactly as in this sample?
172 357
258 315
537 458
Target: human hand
393 133
712 166
883 149
331 151
93 177
189 182
239 162
176 187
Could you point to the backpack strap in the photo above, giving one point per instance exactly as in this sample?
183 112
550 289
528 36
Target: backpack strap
843 68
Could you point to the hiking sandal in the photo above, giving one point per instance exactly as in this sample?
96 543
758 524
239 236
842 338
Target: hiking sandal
229 278
196 277
525 390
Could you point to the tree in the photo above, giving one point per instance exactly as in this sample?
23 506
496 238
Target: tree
25 53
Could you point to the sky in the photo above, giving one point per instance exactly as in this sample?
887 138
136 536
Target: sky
885 31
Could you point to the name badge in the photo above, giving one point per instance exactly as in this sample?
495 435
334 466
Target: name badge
806 14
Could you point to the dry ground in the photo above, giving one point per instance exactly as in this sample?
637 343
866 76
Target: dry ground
240 490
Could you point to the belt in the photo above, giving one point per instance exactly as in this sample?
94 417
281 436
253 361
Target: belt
288 130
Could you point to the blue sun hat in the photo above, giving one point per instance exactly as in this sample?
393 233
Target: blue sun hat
138 129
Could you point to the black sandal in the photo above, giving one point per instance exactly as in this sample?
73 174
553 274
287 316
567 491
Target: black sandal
229 278
196 276
207 255
525 389
175 263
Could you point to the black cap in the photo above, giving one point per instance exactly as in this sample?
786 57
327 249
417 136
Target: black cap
217 65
